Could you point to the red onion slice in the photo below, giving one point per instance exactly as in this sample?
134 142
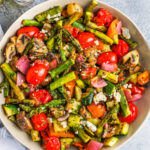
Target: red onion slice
111 67
119 27
20 79
135 97
97 82
94 145
64 117
23 64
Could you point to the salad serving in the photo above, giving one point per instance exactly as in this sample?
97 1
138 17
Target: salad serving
71 77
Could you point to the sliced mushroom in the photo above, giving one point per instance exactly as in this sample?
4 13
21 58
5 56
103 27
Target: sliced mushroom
13 63
47 26
23 122
13 39
134 69
22 41
57 112
132 57
110 132
10 51
84 113
39 47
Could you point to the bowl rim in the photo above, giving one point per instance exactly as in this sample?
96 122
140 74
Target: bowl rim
125 16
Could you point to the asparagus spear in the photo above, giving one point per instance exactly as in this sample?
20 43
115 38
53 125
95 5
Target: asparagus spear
7 70
124 104
92 5
61 68
28 47
74 41
105 119
54 19
72 18
100 35
129 41
29 22
51 12
16 89
24 101
44 108
123 82
50 43
79 25
61 81
6 88
88 16
26 108
95 26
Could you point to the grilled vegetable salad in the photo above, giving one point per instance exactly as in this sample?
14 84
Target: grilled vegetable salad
71 77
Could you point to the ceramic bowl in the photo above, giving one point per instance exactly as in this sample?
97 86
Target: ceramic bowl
143 105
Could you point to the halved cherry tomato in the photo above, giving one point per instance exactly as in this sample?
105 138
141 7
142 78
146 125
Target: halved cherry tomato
88 73
132 116
136 89
44 62
143 78
41 96
121 49
39 122
36 74
51 143
107 57
97 110
39 35
30 31
53 64
72 30
103 17
86 39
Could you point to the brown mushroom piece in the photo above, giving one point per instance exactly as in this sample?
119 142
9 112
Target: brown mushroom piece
111 131
13 39
84 113
39 47
13 63
10 51
132 59
23 122
22 41
46 81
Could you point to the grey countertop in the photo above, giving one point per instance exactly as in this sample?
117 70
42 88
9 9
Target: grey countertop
137 10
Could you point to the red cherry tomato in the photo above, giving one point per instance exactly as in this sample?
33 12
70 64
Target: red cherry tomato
86 39
51 143
44 62
41 96
121 49
132 116
88 73
36 74
103 17
53 64
30 31
107 57
39 122
136 90
39 35
72 30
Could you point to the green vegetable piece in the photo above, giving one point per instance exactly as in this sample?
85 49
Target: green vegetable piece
110 141
88 17
109 89
93 120
61 68
65 142
80 83
26 108
78 25
78 93
10 109
122 129
61 81
29 22
129 41
100 35
51 12
106 48
74 41
95 26
74 121
35 135
88 131
73 106
124 104
108 76
133 78
28 47
123 82
110 104
92 5
6 88
13 119
45 107
85 137
50 43
105 119
88 99
72 18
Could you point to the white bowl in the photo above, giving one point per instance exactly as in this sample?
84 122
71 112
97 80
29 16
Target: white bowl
143 105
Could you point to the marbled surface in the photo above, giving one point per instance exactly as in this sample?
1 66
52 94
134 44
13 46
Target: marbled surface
137 10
